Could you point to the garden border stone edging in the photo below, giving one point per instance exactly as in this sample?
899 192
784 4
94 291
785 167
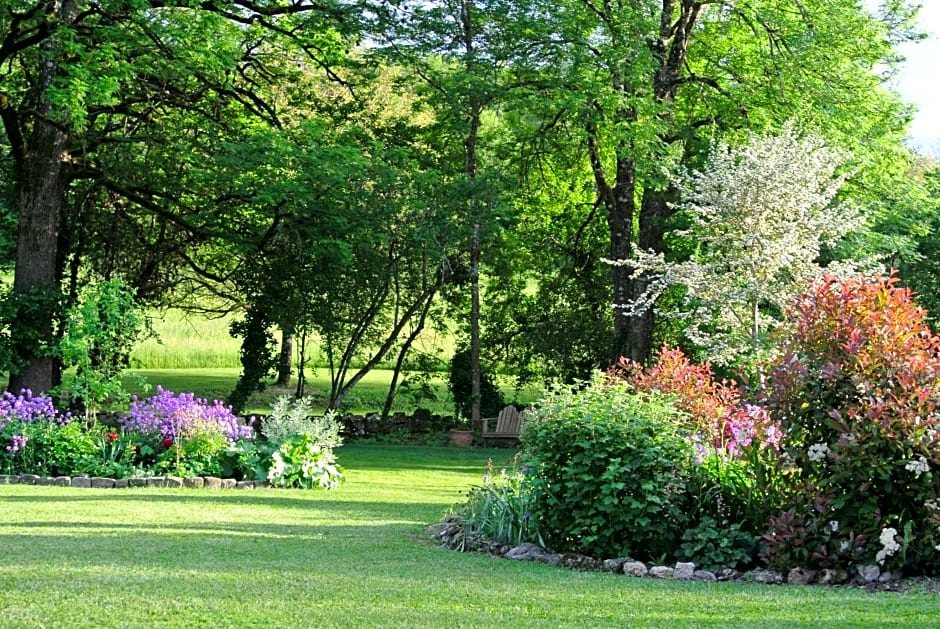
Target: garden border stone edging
449 534
99 482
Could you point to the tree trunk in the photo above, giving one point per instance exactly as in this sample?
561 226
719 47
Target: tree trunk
40 152
285 358
475 393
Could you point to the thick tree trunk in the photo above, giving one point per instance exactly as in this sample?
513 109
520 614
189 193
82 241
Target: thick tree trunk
40 153
42 189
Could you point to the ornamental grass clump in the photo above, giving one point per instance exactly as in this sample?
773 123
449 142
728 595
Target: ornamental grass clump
855 389
502 509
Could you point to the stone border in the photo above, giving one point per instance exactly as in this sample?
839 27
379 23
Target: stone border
449 534
99 482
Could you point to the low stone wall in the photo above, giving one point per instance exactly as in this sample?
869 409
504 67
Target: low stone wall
194 482
421 422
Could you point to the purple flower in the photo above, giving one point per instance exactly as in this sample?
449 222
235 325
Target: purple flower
165 414
28 409
19 442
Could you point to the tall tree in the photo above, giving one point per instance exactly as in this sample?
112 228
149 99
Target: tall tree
68 61
650 85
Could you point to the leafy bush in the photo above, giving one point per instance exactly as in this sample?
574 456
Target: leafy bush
502 509
705 402
301 462
299 449
35 438
712 546
491 400
734 484
100 331
611 467
855 388
290 418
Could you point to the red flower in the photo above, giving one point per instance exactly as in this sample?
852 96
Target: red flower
137 450
167 442
112 436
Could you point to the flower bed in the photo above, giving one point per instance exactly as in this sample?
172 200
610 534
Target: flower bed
167 436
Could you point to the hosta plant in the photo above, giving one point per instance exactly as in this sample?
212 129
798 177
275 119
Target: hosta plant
301 462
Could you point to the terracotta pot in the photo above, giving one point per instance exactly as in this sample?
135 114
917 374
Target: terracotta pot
462 438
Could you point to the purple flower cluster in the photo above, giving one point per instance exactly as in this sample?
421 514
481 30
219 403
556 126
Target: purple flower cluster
742 428
26 408
746 425
166 414
18 443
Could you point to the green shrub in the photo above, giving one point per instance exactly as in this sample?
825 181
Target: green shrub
855 388
301 462
295 417
51 448
712 546
610 471
460 383
299 448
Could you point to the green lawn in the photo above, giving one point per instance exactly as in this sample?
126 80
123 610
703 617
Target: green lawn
367 396
354 557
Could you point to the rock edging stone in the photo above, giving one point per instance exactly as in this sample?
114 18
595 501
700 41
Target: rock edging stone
100 482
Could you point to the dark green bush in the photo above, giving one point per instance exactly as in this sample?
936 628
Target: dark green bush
610 471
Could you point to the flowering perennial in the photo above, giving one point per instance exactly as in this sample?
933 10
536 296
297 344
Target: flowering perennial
26 408
166 416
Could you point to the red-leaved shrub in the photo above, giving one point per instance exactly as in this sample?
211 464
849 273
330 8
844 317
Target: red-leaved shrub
706 401
855 390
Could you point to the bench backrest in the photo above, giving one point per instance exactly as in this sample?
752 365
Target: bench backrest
509 420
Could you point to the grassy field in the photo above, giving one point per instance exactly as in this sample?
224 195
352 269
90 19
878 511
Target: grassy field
368 396
182 341
198 355
354 557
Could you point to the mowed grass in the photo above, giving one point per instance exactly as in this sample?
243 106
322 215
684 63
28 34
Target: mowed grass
216 384
368 396
353 557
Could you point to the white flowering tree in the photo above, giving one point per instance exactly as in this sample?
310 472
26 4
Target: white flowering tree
760 214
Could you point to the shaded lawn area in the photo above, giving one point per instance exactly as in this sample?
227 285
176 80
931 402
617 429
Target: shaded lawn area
353 557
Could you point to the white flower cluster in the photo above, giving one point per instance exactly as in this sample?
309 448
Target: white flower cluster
817 452
889 545
761 213
834 526
918 466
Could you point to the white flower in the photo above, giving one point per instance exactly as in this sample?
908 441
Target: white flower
817 452
277 467
889 544
833 525
918 466
937 547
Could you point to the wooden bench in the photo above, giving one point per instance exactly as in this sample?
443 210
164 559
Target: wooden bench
508 426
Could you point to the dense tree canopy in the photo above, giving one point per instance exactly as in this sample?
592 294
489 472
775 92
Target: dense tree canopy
334 168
